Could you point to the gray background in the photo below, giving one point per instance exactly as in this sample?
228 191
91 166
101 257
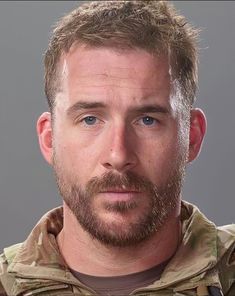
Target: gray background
27 183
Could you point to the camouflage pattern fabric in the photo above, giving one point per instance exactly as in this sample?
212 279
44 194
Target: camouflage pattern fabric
205 258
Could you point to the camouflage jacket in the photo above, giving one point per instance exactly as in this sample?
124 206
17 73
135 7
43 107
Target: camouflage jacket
206 257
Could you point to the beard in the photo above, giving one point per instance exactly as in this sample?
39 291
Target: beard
160 201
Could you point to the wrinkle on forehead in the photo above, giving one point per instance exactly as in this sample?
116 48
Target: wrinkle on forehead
107 72
125 75
112 77
109 77
119 73
110 71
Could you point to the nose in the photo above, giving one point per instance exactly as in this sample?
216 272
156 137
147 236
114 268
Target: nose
120 154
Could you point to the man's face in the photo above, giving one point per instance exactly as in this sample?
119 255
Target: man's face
118 152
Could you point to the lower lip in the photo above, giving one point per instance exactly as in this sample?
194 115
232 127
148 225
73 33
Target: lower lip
124 196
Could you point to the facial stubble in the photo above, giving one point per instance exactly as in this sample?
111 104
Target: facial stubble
160 202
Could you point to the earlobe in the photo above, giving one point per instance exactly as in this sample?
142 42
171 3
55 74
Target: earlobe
44 132
197 133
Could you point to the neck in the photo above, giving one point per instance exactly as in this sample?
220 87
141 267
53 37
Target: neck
86 255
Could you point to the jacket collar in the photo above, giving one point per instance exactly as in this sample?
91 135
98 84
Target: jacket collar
197 252
39 257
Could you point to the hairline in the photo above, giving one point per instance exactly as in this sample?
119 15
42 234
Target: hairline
175 89
122 49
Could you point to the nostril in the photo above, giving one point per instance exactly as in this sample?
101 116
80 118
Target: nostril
119 167
107 165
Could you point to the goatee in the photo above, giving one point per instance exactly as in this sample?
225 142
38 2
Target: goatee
158 204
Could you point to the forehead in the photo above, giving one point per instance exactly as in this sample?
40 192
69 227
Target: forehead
110 62
98 70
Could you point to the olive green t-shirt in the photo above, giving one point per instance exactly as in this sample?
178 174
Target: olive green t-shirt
125 284
121 285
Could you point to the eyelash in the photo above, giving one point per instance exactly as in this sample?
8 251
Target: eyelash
140 121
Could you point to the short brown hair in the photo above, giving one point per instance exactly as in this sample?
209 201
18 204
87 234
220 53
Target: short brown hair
147 24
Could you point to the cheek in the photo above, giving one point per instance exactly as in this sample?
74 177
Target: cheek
159 163
74 157
161 158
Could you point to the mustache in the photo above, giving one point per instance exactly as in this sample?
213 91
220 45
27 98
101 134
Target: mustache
129 181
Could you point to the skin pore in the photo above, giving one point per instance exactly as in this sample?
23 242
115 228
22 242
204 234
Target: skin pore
116 132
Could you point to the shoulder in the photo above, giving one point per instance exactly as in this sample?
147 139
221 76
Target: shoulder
3 266
229 229
226 253
6 258
226 241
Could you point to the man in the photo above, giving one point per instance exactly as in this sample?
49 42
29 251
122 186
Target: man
120 79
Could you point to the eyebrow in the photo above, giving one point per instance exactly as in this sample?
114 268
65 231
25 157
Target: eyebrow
78 106
151 109
84 105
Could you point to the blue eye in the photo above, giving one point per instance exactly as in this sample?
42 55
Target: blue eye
147 120
90 120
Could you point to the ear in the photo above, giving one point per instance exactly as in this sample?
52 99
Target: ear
197 133
44 131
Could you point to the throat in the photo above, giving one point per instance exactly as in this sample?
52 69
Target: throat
87 255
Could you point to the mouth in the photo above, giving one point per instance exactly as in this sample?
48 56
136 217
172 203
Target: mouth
120 189
118 194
